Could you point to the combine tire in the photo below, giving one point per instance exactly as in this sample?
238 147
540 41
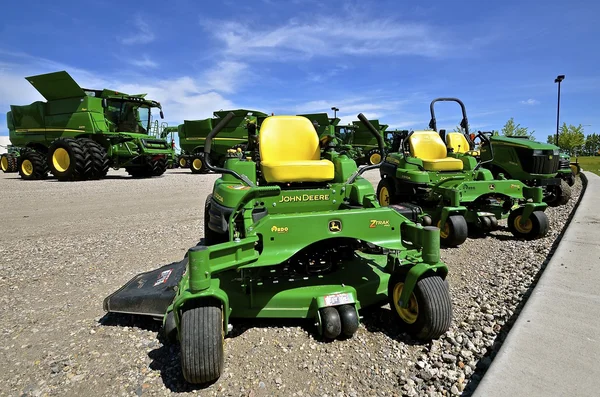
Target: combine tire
386 192
454 232
32 166
9 163
429 312
158 166
373 157
69 159
558 195
536 226
139 172
197 164
183 162
202 335
98 159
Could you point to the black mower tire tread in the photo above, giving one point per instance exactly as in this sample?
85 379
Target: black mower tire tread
332 324
459 231
99 164
80 165
40 167
565 193
211 237
540 227
436 316
202 355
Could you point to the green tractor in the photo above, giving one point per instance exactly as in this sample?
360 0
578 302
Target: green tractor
534 163
80 133
292 231
439 173
193 133
356 140
9 161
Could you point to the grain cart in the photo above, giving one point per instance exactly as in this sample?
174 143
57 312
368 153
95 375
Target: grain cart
452 187
80 133
292 231
193 133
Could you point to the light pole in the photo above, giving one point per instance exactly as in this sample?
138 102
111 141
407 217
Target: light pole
335 110
558 79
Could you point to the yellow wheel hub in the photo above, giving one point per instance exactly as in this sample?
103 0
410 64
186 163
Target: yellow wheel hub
411 312
27 167
384 197
375 158
444 231
182 162
197 164
4 163
526 228
61 159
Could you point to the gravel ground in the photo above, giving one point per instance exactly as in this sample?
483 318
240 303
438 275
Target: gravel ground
65 246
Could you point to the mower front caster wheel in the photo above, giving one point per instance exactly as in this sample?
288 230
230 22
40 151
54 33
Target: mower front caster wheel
454 232
536 226
329 323
349 319
202 335
429 311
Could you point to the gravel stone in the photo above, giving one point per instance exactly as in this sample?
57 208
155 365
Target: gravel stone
69 245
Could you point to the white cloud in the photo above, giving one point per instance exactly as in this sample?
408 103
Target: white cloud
225 76
144 62
530 101
143 35
359 34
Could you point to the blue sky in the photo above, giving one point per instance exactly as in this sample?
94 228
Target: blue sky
387 59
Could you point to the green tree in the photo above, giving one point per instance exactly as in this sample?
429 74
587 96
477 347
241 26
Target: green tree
571 138
551 139
512 129
591 145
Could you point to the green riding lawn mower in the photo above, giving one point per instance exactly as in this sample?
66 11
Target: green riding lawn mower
292 230
439 174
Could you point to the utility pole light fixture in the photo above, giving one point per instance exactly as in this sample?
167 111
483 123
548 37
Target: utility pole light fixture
335 110
558 79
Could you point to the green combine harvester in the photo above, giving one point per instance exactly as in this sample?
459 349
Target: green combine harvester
439 174
193 133
292 230
80 133
358 143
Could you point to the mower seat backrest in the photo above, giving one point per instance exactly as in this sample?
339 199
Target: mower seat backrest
290 152
459 144
429 147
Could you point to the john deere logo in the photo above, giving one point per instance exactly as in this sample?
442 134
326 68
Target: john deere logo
492 187
335 226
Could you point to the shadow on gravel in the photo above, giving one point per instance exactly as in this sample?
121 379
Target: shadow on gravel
484 363
382 319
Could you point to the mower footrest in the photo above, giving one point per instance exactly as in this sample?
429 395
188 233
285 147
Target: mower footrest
147 293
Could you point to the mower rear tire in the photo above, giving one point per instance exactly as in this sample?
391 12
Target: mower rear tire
211 237
32 166
429 312
536 226
197 164
374 157
69 159
349 319
386 192
98 159
454 232
570 179
202 355
331 325
558 194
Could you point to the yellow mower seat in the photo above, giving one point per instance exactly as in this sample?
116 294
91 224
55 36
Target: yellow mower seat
429 147
459 143
290 152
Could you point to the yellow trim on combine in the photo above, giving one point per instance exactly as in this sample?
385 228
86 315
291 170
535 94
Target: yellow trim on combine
47 130
217 139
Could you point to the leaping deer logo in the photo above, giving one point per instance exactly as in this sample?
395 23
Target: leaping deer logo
335 226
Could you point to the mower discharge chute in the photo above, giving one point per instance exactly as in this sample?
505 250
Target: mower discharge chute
292 231
439 172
